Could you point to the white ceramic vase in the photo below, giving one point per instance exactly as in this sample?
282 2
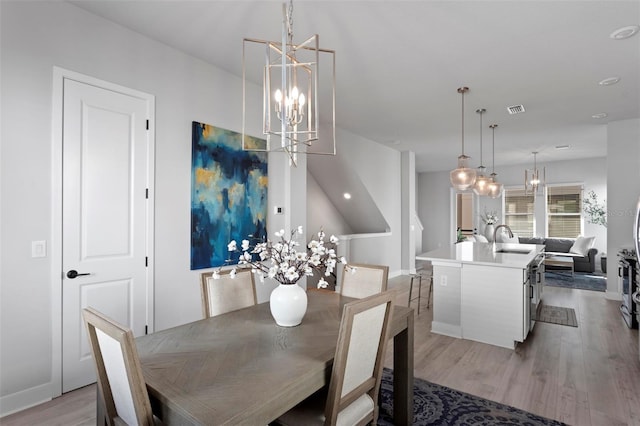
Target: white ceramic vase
488 232
288 303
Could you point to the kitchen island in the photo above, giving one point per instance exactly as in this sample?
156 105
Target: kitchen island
486 292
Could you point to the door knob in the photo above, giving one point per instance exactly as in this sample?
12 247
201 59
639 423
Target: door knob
73 273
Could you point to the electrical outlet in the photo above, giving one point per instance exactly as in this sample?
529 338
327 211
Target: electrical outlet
443 281
278 210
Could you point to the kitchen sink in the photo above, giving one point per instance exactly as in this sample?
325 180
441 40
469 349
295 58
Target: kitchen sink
514 251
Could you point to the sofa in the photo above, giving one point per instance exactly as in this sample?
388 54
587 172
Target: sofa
586 263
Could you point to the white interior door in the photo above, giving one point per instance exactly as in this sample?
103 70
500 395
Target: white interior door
106 150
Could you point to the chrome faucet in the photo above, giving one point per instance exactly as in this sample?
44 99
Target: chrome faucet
495 232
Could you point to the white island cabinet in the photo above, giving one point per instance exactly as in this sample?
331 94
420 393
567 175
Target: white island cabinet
483 291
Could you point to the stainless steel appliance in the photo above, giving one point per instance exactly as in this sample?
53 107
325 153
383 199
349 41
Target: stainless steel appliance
636 241
536 283
627 276
636 229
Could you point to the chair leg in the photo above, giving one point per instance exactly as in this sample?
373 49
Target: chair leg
410 291
419 291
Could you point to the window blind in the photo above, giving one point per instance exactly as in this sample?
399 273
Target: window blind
564 211
518 207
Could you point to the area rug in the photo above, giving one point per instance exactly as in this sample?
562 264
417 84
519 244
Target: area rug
579 280
442 406
557 315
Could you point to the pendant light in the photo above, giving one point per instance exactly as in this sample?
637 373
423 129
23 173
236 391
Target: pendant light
292 76
463 177
532 180
481 186
495 187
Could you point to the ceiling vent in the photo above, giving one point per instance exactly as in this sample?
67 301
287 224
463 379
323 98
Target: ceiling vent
515 109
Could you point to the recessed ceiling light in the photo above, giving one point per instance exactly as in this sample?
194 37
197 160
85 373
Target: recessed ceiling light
562 146
624 32
600 115
347 196
609 81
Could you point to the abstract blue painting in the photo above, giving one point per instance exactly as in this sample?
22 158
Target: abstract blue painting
228 193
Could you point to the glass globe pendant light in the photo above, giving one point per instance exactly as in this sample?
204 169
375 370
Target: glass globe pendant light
481 186
463 177
495 187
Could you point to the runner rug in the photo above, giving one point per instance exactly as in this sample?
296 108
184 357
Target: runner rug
579 280
442 406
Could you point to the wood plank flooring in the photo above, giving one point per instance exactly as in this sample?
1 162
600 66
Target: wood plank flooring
584 376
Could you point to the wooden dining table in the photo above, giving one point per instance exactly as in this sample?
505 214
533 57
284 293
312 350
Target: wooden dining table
241 368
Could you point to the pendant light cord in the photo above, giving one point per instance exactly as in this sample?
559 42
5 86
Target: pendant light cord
481 111
493 148
463 90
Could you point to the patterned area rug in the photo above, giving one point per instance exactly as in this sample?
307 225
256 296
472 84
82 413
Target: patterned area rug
579 280
442 406
557 315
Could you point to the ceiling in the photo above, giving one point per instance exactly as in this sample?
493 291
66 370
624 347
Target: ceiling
399 64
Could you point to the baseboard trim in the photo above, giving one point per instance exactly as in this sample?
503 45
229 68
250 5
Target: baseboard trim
612 295
27 398
446 329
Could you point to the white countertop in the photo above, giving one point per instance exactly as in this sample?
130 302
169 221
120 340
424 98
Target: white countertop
485 254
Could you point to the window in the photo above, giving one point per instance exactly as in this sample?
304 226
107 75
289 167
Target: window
564 211
518 212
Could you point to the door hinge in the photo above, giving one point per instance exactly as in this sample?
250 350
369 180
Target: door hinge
146 261
147 124
146 330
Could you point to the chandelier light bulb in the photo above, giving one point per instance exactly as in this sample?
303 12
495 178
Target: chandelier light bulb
278 96
302 99
463 177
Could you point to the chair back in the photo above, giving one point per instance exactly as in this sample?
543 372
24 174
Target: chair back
227 293
361 280
122 387
357 366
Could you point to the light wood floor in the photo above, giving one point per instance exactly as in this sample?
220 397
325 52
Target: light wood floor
584 376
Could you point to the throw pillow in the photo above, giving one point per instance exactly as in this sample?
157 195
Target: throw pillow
582 245
481 239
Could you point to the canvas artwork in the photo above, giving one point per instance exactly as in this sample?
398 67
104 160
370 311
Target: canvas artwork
228 193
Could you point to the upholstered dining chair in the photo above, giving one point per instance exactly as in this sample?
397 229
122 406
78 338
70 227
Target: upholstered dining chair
227 293
120 381
361 280
352 395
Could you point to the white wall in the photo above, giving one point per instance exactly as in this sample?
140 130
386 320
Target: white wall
379 168
35 37
623 188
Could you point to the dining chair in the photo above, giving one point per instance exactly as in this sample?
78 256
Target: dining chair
121 384
228 293
352 395
361 280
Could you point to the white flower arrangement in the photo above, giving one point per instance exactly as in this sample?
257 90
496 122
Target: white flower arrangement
282 261
490 218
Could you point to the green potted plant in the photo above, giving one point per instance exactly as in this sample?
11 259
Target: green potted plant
596 212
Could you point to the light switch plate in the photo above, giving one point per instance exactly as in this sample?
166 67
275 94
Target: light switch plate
38 249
